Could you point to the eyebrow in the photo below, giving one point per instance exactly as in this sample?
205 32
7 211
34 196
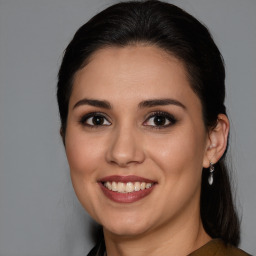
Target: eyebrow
94 103
144 104
160 102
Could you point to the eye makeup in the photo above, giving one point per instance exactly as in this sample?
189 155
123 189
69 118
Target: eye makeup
160 120
94 120
155 120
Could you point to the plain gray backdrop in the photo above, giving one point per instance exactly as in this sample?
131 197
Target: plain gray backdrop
39 213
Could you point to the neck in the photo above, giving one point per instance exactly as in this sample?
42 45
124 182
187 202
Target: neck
169 239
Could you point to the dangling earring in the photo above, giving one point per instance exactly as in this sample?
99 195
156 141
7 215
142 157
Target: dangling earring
210 178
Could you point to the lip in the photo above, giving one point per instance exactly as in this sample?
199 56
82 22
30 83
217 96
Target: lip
126 197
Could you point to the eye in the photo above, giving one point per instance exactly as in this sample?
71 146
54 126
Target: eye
94 119
160 120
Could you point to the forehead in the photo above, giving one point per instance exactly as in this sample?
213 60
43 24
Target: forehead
132 72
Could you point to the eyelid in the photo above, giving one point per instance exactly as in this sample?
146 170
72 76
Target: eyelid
172 120
166 115
84 118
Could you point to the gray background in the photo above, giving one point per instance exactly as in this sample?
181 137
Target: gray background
39 213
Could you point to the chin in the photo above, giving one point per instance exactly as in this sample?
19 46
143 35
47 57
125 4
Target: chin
126 228
126 231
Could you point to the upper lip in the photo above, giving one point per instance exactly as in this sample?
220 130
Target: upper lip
125 179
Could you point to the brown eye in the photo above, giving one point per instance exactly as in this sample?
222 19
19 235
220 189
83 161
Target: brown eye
160 120
95 119
98 120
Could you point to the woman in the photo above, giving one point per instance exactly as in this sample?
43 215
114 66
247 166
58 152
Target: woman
141 98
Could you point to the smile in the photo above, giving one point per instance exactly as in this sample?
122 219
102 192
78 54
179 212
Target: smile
126 189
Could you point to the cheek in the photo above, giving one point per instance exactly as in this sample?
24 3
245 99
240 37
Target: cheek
84 160
179 153
178 159
82 153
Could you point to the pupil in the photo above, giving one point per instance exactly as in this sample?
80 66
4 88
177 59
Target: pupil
97 120
159 120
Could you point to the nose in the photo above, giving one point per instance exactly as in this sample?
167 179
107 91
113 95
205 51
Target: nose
125 148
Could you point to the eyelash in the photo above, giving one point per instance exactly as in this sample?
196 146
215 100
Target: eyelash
170 118
86 117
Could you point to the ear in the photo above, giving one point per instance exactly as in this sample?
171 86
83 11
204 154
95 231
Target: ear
217 141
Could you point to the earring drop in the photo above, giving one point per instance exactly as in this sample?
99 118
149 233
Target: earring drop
210 178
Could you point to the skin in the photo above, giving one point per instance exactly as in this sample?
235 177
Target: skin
129 143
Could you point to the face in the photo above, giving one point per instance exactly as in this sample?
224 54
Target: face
135 140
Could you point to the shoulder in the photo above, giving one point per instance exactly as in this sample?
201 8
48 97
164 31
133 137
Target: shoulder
217 247
229 250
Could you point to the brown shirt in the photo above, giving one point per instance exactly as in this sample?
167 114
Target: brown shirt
216 247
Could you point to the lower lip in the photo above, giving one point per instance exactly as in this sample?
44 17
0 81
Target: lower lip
126 197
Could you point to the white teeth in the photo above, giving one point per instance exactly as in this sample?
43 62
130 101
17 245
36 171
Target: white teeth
114 186
137 186
120 187
148 185
127 187
142 185
108 185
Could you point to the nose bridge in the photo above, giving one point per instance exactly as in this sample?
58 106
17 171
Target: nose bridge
125 147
